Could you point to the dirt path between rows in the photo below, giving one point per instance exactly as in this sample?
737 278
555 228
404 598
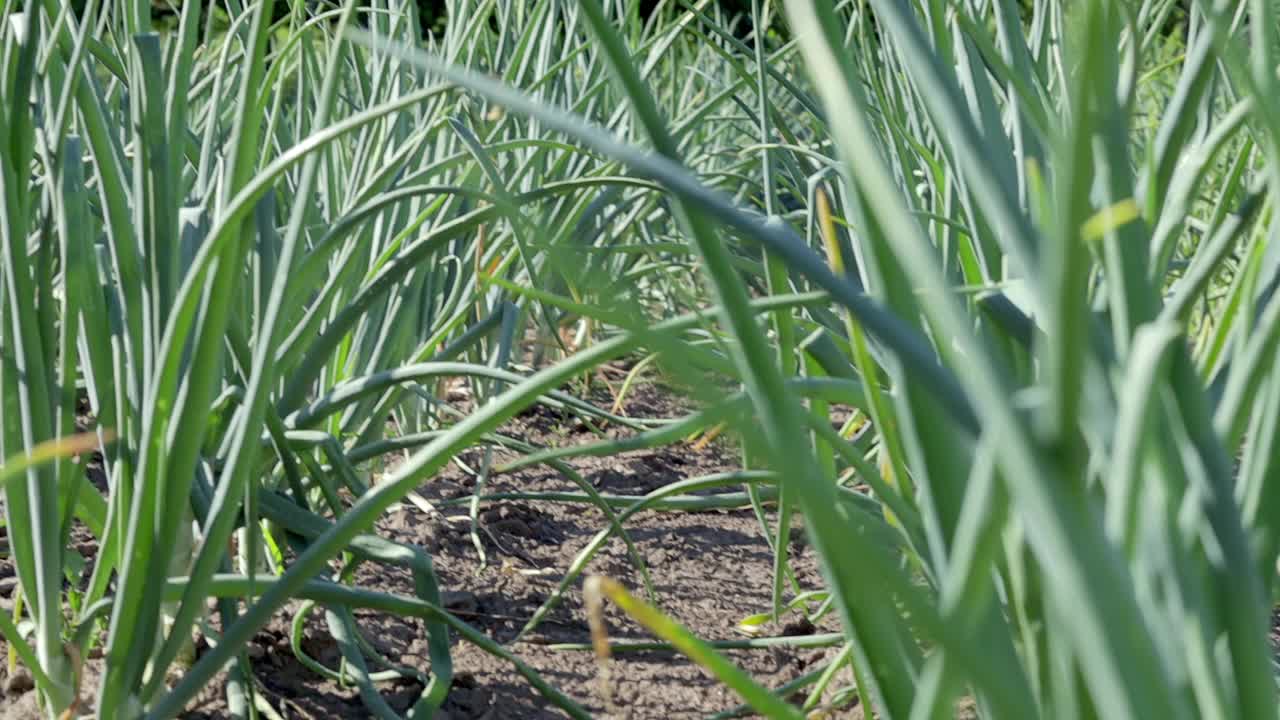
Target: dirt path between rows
710 570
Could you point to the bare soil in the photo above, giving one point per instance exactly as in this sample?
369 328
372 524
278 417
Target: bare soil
710 569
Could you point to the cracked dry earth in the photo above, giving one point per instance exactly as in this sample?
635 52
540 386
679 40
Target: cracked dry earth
710 570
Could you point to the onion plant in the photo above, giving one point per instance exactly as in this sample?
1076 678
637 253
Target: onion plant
244 248
1026 242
